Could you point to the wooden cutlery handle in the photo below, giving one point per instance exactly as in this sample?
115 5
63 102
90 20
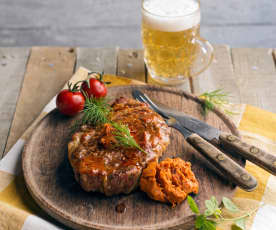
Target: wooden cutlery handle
225 164
252 153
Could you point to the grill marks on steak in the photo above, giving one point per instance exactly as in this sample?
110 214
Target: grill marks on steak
100 165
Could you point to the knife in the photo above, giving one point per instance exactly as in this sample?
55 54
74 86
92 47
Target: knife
228 167
227 141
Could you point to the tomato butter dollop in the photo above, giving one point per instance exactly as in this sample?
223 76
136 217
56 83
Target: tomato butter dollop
169 181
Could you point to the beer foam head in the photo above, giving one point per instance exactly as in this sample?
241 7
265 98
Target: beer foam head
171 15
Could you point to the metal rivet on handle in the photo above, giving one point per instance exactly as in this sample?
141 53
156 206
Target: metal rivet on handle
220 157
245 177
231 138
254 150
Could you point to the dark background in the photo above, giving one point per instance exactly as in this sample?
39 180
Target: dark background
110 23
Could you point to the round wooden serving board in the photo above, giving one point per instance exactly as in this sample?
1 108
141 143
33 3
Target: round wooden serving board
50 180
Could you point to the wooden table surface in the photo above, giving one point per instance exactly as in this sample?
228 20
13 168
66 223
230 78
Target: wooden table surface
30 77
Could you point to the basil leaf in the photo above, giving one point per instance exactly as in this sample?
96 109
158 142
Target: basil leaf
240 223
228 204
193 205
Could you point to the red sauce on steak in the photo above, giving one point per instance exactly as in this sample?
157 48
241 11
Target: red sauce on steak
101 165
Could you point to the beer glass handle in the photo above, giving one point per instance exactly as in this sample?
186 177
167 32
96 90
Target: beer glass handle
205 57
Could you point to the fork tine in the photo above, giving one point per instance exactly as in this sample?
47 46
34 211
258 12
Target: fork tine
137 94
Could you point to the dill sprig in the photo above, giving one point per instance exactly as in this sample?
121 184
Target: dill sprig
124 138
215 98
97 112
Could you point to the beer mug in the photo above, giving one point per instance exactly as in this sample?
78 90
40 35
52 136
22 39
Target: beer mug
173 48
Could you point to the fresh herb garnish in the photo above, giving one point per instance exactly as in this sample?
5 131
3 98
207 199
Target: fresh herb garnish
97 112
215 98
213 214
124 138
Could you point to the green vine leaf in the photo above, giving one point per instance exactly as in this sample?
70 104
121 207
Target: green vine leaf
209 225
202 223
212 207
199 223
241 223
192 204
208 212
229 205
213 214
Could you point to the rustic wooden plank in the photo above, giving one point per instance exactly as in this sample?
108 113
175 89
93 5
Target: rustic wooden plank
274 55
185 86
47 71
12 68
130 63
219 75
254 71
254 65
98 59
253 61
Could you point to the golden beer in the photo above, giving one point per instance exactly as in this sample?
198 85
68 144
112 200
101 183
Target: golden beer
169 54
170 29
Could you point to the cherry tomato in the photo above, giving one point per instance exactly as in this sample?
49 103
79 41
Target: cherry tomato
69 102
96 86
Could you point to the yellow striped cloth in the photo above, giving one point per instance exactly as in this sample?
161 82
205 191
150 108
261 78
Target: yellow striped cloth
18 211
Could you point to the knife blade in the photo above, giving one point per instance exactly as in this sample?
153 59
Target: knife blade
225 165
227 141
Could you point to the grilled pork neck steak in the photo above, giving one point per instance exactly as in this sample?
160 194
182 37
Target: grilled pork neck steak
100 165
